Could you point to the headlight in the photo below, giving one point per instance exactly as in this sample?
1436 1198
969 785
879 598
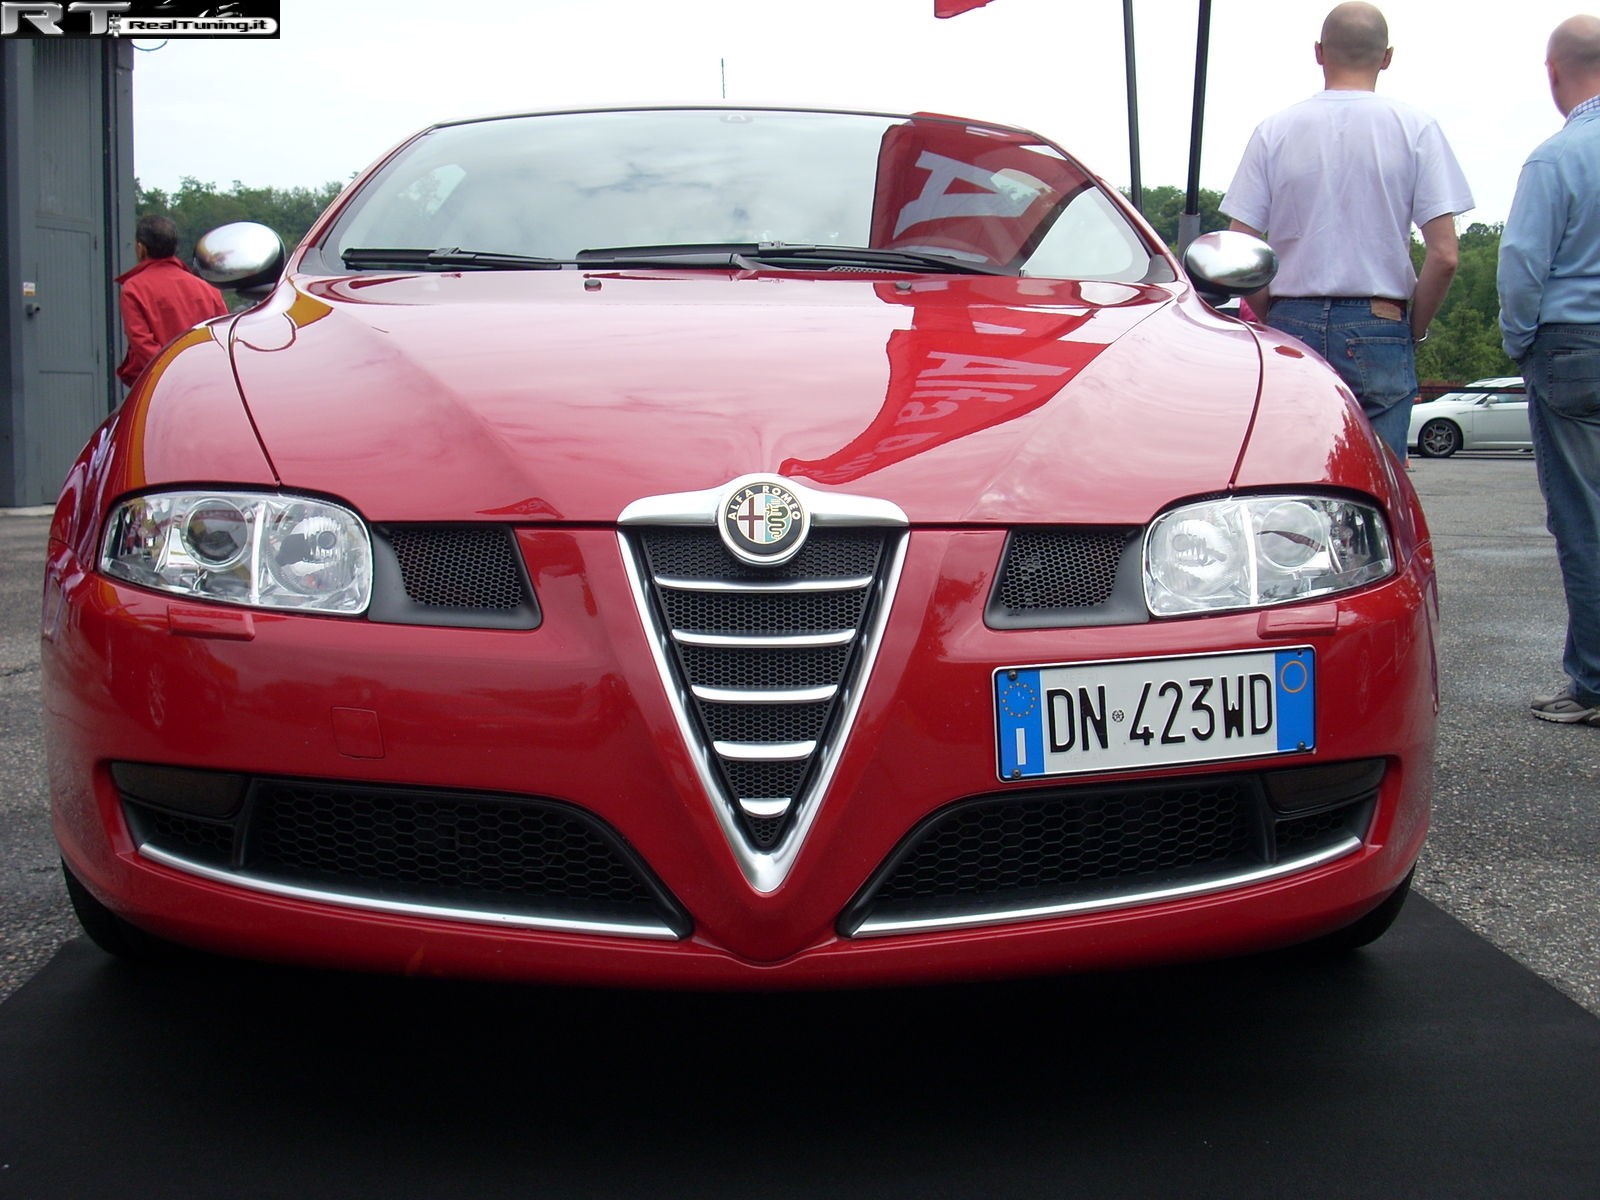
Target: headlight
243 548
1259 550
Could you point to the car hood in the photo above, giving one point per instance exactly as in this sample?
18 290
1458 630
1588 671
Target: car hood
566 396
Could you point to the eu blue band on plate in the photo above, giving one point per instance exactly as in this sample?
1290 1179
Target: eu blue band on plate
1296 688
1017 697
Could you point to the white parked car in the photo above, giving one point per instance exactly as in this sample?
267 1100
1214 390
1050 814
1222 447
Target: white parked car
1472 420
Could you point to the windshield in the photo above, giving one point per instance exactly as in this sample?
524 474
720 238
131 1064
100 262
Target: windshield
919 192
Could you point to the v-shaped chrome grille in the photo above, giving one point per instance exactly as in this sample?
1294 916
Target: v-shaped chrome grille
764 662
763 655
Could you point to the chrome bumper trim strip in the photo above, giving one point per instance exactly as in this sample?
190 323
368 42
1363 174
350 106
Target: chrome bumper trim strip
888 926
254 883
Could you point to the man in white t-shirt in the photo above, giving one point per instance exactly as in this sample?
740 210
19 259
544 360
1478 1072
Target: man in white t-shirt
1335 184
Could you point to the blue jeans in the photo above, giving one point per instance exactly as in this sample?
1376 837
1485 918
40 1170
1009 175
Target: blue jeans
1373 355
1562 374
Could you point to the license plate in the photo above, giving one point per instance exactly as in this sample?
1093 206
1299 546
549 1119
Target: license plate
1154 712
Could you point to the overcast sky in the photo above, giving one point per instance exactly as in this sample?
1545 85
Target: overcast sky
347 80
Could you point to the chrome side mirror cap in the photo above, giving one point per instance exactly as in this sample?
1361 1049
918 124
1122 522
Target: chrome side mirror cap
245 256
1229 263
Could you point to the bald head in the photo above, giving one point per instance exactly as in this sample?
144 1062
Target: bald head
1573 60
1355 37
1575 44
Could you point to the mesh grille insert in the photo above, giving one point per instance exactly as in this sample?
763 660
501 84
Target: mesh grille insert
764 780
1060 568
764 831
735 668
765 722
1016 849
437 844
206 841
459 567
779 613
1297 833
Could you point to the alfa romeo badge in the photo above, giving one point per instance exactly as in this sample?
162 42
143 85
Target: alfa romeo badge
764 523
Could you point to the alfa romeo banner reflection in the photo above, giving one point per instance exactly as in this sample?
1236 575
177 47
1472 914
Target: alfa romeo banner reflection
981 195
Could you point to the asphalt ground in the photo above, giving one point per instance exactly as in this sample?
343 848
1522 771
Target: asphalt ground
34 917
1429 1065
1514 849
1514 852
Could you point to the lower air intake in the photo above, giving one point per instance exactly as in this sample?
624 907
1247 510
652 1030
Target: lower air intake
1037 851
512 855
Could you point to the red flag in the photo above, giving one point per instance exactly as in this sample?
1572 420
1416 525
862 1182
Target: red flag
954 8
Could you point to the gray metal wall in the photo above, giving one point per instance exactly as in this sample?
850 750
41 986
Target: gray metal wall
66 222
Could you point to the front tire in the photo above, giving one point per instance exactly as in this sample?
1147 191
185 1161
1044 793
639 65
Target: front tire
109 931
1369 928
1439 438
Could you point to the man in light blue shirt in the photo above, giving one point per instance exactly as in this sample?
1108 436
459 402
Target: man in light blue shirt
1549 282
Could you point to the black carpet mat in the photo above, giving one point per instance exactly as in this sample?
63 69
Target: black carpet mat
1429 1065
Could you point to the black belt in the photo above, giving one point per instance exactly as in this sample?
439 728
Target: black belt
1376 303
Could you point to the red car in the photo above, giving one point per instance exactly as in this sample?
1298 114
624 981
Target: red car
736 548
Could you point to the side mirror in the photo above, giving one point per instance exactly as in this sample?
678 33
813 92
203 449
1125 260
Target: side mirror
244 256
1229 263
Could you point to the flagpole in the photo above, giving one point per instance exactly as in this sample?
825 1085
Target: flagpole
1189 222
1131 73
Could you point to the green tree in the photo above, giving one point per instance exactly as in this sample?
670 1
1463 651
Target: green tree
198 207
1164 205
1464 342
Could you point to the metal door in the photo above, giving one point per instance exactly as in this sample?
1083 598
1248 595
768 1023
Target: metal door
64 325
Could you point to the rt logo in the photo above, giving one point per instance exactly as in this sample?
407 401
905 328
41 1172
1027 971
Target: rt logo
46 18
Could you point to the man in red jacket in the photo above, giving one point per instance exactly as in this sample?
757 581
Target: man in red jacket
161 298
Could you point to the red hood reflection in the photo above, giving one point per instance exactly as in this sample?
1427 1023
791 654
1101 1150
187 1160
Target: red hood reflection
955 371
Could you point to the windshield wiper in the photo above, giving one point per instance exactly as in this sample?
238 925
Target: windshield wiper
746 254
452 256
875 256
695 254
740 255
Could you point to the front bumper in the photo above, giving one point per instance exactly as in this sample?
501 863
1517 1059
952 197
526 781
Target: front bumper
574 715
